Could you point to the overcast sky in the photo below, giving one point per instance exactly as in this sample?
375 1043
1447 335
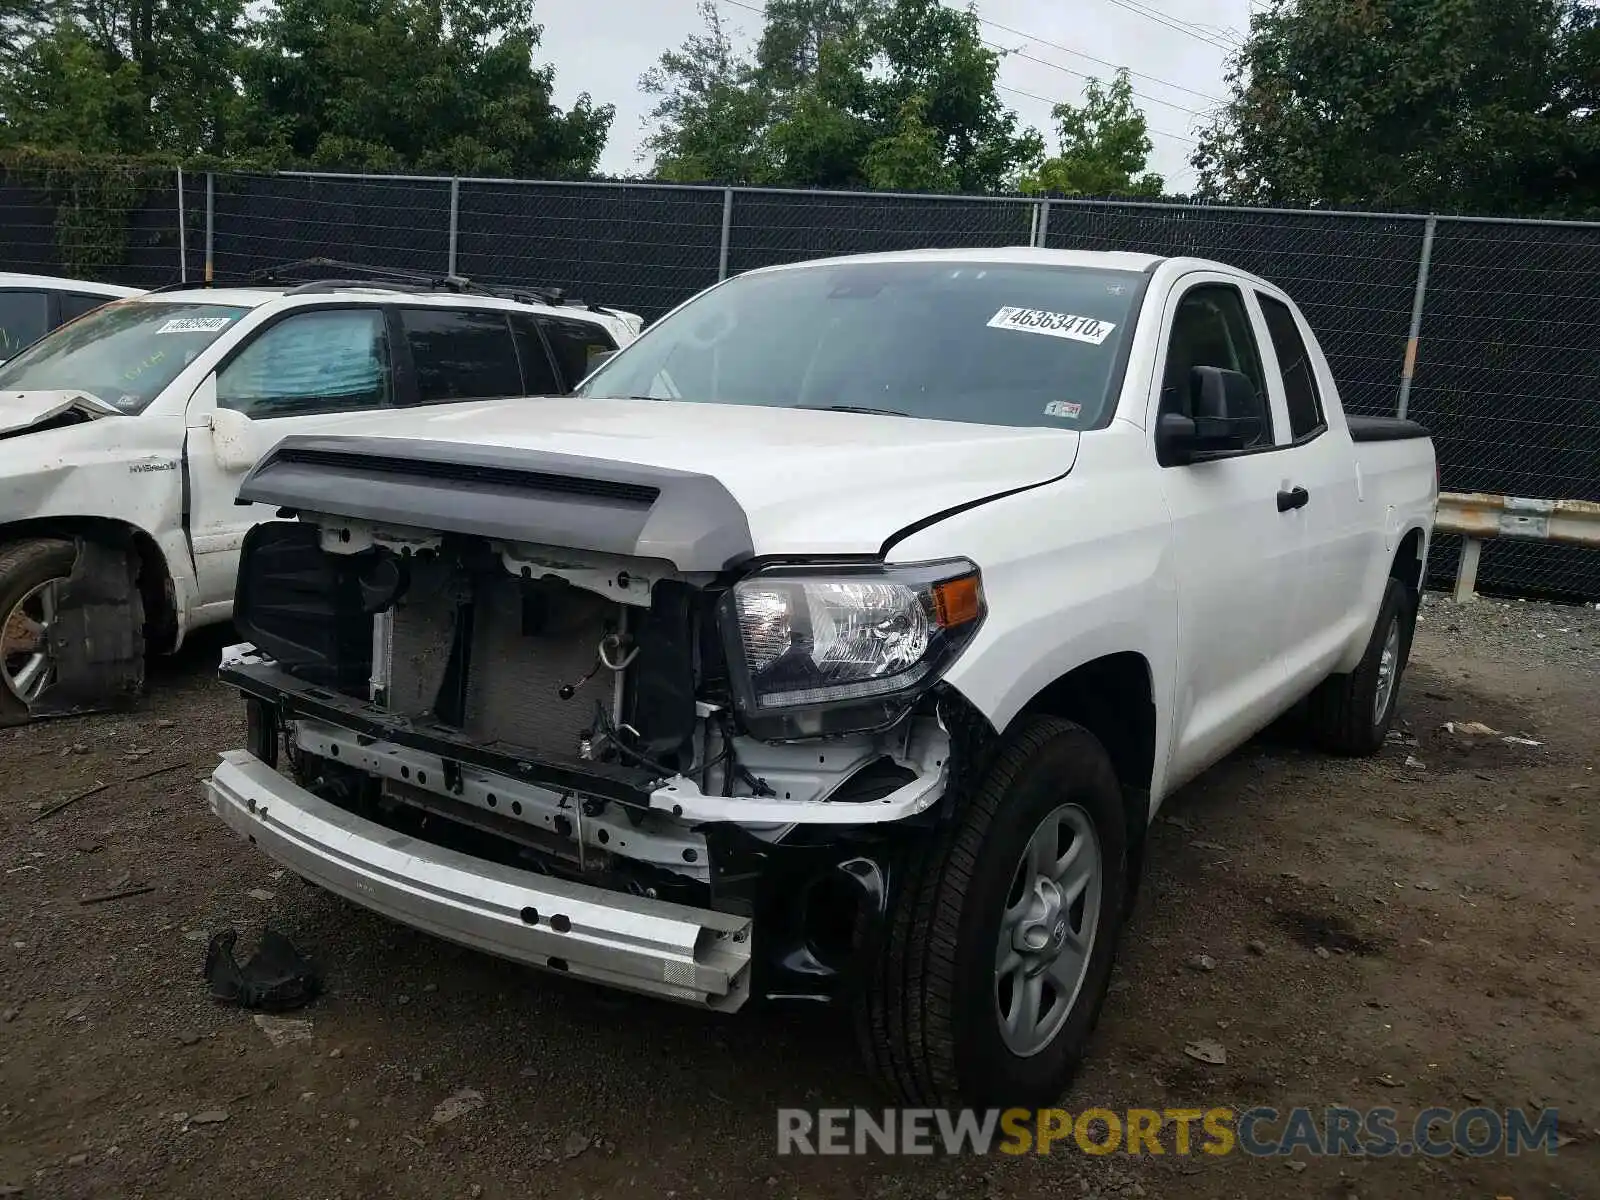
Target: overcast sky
603 46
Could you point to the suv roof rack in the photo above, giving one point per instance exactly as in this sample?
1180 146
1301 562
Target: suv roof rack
299 278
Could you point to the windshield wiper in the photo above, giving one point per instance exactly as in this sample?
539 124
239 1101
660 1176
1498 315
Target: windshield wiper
855 408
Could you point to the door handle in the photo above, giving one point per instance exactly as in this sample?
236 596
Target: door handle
1293 498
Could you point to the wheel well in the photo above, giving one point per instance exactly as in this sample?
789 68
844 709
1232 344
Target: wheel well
1407 564
155 581
1114 699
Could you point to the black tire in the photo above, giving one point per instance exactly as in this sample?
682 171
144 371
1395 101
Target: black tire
23 567
926 1016
1342 715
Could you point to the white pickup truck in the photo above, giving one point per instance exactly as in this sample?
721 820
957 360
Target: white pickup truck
124 435
837 640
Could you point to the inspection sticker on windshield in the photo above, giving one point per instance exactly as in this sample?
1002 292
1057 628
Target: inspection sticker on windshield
1063 408
1052 324
195 325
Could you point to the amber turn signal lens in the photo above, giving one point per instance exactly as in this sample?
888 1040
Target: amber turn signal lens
957 601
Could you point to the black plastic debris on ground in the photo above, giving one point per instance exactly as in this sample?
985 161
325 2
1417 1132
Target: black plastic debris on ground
278 978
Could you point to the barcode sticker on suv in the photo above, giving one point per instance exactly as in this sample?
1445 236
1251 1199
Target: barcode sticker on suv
1052 324
195 325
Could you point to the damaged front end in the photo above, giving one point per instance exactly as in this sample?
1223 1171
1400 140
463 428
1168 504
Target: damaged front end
680 775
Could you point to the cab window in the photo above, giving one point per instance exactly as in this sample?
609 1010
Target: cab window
332 360
1211 328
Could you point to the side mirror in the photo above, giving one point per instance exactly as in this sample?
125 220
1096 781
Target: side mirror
1228 418
232 441
1181 440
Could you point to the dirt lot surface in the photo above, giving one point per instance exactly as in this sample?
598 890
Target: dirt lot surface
1426 922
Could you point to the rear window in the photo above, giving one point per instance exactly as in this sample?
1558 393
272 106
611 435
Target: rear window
76 304
461 355
576 344
123 354
990 343
24 316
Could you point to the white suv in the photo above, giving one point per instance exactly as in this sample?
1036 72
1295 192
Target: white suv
124 436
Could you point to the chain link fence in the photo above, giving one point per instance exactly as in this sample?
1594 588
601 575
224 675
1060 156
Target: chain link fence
1506 373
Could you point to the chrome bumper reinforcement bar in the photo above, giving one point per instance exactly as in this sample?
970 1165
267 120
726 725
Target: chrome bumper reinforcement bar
651 946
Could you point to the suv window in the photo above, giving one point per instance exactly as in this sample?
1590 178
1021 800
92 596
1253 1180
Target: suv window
539 376
1212 329
331 360
575 343
76 304
1299 381
461 355
24 317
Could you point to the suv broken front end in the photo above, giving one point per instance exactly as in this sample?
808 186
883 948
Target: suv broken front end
558 710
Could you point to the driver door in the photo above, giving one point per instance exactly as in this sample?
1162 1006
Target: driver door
1235 556
293 377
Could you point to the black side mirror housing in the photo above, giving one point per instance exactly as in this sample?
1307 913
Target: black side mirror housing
1228 419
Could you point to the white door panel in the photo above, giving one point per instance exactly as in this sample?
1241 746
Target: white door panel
1236 555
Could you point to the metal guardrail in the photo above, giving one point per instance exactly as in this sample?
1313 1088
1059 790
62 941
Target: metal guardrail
1479 516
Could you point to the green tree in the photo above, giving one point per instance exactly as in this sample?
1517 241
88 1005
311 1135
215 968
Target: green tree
708 117
1105 145
436 85
134 76
840 93
1458 105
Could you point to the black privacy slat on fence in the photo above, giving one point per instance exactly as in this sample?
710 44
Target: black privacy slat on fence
781 227
1354 277
263 221
640 248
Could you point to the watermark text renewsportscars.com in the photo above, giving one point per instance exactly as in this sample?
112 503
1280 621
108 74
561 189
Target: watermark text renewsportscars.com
1257 1132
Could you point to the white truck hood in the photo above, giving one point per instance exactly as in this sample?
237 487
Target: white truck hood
809 482
23 410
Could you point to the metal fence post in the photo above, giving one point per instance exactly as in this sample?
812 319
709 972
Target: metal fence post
727 233
1041 233
183 234
211 209
1410 368
455 222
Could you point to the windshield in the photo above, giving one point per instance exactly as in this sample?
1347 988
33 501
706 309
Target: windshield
996 344
123 354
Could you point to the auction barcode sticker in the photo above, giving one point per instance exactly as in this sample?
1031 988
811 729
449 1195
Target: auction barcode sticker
1052 324
195 325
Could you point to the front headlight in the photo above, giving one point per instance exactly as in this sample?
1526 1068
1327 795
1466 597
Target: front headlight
817 651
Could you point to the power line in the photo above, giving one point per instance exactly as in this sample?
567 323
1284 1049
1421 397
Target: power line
1044 62
1177 137
1003 50
1033 37
1197 32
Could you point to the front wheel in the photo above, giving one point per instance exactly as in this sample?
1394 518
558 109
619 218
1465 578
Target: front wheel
31 575
1351 714
1002 934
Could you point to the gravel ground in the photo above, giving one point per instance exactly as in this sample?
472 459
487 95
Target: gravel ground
1409 930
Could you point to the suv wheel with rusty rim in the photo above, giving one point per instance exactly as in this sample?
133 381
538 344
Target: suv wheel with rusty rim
999 943
31 574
